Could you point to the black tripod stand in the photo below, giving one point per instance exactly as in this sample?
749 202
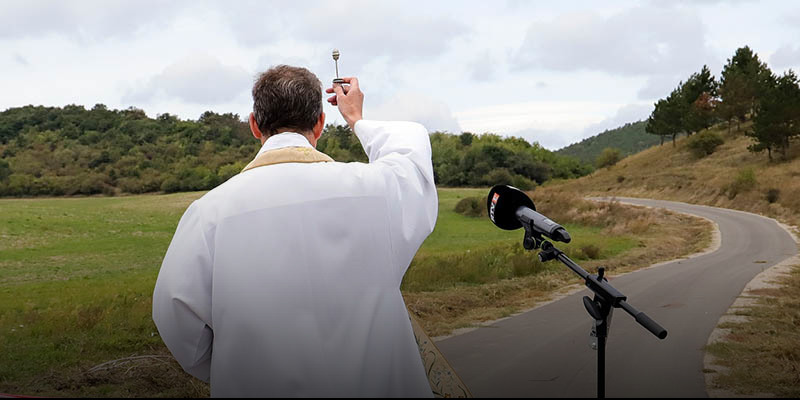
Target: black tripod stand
606 298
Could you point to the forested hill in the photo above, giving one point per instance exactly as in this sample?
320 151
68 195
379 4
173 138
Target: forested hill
72 150
629 139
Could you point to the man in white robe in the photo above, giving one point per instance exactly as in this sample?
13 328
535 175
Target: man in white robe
285 280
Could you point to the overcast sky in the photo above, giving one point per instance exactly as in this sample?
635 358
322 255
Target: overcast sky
552 72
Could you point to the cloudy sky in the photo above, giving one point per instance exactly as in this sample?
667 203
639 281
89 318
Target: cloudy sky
552 72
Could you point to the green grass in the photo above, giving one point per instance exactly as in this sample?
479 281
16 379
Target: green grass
472 251
457 233
77 276
76 282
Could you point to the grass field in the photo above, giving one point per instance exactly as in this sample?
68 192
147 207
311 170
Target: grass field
77 275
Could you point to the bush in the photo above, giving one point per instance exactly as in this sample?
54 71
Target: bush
5 170
772 195
171 185
591 251
229 171
745 181
704 143
471 207
620 179
608 157
522 183
92 183
499 176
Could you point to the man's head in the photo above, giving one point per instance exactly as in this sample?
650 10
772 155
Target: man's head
287 99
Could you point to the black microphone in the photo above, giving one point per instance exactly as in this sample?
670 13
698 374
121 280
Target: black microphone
510 208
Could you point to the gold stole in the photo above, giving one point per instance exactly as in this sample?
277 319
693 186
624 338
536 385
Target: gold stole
295 154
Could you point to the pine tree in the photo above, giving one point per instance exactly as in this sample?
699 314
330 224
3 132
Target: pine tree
751 78
667 117
778 115
697 96
733 104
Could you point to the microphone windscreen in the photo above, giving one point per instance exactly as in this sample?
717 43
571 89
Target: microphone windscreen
503 202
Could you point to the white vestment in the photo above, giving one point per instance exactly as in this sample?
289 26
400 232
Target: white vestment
285 280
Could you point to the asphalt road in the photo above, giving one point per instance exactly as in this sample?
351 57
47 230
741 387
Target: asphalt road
545 352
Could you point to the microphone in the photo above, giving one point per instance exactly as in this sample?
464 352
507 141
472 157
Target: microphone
510 208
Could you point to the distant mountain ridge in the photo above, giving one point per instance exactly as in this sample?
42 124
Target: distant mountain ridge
629 139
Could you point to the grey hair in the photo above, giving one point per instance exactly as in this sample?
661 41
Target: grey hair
287 98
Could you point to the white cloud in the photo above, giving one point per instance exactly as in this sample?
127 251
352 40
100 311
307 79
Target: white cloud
21 60
549 139
536 116
554 137
411 106
362 30
636 41
627 113
88 20
659 86
196 79
482 68
785 56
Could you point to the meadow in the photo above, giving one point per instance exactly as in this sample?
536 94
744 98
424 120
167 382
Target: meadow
77 275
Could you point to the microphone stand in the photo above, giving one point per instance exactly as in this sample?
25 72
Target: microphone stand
606 299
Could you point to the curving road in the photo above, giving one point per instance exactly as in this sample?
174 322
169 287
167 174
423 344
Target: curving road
545 352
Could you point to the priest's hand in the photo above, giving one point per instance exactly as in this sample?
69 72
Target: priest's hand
350 100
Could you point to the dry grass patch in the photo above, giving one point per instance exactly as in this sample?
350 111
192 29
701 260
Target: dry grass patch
762 353
731 177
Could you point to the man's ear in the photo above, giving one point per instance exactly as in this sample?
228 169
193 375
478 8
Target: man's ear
319 126
254 127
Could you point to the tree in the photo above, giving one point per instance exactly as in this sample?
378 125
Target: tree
656 123
778 116
750 79
734 104
667 116
697 104
700 114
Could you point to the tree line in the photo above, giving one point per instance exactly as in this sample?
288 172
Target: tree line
746 90
73 150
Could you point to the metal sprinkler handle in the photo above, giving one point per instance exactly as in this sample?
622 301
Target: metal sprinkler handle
336 61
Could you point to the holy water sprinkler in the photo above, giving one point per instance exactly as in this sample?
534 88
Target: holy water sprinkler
336 61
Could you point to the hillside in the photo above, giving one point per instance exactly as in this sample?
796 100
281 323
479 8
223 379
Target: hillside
55 151
731 177
629 139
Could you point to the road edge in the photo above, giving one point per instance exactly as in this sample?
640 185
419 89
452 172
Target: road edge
768 278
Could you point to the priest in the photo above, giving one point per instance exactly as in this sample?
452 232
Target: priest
285 280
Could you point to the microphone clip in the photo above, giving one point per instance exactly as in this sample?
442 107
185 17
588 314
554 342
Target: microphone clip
532 240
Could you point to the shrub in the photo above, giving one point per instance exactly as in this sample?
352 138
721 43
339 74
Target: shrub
471 207
92 183
5 170
170 185
704 143
591 251
522 183
772 195
745 181
620 179
608 157
499 176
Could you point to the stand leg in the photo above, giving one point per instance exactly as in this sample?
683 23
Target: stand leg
601 366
